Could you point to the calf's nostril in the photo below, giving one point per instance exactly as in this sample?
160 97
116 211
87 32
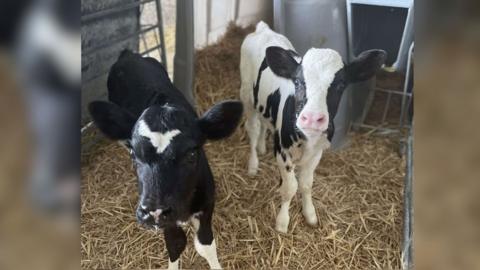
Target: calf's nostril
166 212
143 210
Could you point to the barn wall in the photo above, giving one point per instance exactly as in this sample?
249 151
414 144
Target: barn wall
95 65
211 17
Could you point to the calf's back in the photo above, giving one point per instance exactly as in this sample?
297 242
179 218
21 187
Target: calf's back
135 83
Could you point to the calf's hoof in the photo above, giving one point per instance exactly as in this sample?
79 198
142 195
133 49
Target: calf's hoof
281 228
312 221
173 265
282 224
252 171
262 149
252 166
311 217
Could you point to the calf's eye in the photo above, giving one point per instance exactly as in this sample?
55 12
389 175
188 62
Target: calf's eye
191 156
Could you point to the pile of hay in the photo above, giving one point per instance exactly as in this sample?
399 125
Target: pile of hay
357 193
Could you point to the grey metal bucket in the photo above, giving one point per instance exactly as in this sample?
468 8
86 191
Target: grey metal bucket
319 24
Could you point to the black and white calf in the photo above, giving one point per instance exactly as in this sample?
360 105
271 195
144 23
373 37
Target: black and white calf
45 40
165 138
296 98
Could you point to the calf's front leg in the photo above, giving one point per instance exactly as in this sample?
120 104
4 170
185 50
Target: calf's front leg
261 145
175 240
287 191
253 127
306 180
204 241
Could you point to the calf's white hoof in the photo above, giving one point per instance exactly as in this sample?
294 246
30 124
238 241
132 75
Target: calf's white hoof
253 166
282 224
311 220
310 215
173 265
252 171
262 149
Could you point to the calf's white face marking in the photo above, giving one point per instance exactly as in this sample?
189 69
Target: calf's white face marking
319 68
158 139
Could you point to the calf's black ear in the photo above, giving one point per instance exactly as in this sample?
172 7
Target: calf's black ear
221 120
281 62
365 66
113 121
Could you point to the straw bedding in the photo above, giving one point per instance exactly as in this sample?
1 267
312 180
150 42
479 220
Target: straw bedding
357 193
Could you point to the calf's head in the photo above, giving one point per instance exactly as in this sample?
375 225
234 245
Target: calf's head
320 78
165 143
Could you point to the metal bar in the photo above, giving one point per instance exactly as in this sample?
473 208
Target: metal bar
163 53
407 39
405 85
157 39
375 128
237 11
391 91
407 245
209 20
123 38
387 106
105 12
409 103
397 3
367 106
150 50
145 45
184 49
350 56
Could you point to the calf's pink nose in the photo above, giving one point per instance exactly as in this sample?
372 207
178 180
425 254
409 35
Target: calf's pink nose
313 120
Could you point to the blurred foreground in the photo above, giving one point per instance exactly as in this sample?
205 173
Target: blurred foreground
40 138
447 135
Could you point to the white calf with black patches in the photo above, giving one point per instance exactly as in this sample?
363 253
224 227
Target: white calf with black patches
296 98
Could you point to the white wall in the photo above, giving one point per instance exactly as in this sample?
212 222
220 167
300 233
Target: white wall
213 16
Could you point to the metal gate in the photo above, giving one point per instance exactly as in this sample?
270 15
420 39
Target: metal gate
107 28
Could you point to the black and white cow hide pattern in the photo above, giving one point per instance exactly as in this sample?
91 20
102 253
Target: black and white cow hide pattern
296 98
165 138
